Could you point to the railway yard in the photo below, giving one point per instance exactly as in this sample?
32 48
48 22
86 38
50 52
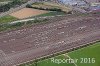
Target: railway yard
62 33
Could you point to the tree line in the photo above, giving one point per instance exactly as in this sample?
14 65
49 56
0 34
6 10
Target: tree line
6 7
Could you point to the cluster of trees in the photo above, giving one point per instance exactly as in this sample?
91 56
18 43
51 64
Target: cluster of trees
6 7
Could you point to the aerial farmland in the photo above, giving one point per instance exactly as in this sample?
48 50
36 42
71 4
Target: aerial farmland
49 33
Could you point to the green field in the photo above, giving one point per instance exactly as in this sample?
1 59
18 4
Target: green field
92 53
49 62
7 18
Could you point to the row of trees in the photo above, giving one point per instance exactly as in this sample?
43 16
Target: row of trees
6 7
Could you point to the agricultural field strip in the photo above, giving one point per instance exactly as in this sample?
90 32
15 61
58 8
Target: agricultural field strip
44 48
32 29
66 54
31 19
72 40
52 5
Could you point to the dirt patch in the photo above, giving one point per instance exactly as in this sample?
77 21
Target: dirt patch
27 12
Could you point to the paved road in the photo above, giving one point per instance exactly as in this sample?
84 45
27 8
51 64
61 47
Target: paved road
26 44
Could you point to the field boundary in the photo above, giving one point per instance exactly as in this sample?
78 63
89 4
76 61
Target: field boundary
61 52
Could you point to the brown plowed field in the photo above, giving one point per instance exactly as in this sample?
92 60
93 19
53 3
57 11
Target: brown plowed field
27 12
26 44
